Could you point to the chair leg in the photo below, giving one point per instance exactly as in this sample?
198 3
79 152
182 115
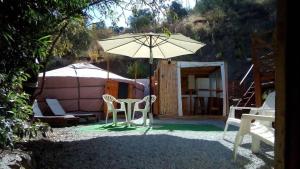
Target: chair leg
255 146
106 117
114 117
132 118
126 117
238 141
150 119
225 129
144 118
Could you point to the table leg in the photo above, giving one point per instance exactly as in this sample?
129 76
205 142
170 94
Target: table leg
114 118
129 113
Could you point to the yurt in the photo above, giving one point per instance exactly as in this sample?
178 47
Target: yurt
79 88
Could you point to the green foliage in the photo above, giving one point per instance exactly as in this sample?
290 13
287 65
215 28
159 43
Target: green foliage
231 23
98 25
166 31
15 111
27 27
137 67
142 20
75 39
176 12
207 5
27 33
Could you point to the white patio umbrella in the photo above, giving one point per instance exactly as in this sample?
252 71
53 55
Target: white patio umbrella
150 45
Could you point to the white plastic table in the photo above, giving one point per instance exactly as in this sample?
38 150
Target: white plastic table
129 110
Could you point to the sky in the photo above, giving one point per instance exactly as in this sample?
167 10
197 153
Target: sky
96 17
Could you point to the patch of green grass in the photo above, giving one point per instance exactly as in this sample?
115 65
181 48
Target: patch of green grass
156 127
187 127
107 127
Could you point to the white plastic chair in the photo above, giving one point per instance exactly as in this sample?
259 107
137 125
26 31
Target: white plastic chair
109 100
268 108
259 130
144 110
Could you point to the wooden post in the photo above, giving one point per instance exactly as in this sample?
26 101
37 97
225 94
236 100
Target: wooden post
135 73
256 73
107 67
285 134
191 112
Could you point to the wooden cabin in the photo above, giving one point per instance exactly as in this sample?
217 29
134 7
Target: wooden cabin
190 88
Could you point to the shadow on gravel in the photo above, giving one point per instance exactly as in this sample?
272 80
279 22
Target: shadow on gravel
142 151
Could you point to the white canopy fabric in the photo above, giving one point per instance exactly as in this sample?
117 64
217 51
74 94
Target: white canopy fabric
138 45
83 70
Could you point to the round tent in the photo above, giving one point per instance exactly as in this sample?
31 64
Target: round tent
79 87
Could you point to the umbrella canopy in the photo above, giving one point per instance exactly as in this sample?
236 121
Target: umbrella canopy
150 45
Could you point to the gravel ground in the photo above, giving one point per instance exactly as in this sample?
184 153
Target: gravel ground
69 148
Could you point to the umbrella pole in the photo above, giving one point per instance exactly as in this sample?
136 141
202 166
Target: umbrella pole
150 92
150 84
135 72
107 67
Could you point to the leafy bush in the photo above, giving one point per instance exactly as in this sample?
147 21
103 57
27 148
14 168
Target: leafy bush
137 68
15 111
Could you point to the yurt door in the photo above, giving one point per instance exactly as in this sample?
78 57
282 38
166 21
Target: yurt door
111 88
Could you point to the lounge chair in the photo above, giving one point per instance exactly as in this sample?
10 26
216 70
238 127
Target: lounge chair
67 120
261 130
109 100
268 108
57 110
144 110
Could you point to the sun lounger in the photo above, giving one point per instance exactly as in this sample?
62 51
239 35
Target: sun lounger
54 121
58 110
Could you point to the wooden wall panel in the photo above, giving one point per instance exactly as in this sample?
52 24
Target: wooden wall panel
168 91
112 88
131 91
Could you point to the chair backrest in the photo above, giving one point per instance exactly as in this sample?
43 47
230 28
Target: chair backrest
36 110
55 107
147 99
269 103
109 99
268 109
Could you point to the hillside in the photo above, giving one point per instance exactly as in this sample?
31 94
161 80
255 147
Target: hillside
225 27
226 30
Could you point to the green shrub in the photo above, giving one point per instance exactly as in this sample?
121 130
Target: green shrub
15 111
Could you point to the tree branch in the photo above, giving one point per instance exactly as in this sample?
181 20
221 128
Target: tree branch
47 59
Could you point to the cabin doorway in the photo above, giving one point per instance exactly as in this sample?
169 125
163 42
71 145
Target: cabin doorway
201 91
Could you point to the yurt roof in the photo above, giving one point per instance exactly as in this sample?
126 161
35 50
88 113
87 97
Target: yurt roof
83 70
